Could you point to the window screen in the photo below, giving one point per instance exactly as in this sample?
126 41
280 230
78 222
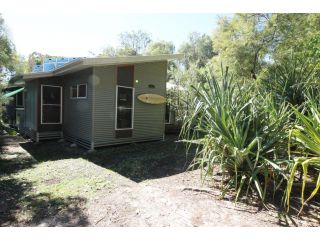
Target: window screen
124 97
78 91
51 104
82 90
124 118
51 95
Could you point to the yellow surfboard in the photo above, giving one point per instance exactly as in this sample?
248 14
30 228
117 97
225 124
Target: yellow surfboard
152 98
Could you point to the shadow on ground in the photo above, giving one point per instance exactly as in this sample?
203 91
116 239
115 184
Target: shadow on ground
137 161
21 205
34 209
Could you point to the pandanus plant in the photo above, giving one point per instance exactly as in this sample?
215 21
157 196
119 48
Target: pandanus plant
305 137
240 132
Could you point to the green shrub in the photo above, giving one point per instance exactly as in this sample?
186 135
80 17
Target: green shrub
241 133
289 79
305 138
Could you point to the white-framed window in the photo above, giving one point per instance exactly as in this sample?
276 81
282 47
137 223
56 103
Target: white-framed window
124 107
78 91
51 104
20 99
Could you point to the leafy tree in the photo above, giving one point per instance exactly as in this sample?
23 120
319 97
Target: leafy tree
6 50
126 52
294 32
198 49
36 58
180 95
109 51
250 42
134 42
20 65
242 42
160 47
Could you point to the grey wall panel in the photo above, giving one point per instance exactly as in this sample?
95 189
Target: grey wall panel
148 119
77 113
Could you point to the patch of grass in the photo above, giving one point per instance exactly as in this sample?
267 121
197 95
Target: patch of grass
67 178
54 184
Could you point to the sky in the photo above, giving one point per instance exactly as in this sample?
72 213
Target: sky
82 35
82 28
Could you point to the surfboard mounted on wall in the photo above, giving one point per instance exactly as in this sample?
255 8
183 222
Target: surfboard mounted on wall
152 98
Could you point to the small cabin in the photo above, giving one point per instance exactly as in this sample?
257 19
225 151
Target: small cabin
96 102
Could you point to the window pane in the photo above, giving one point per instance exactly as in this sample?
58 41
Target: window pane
125 97
51 95
73 91
82 90
19 99
124 118
50 114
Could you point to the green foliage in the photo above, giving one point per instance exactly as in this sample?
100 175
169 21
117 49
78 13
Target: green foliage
290 79
37 58
109 51
305 137
126 52
6 50
242 134
161 47
293 31
131 44
179 96
242 42
134 42
198 50
250 42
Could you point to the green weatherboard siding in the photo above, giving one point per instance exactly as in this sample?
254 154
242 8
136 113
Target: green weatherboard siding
90 121
148 120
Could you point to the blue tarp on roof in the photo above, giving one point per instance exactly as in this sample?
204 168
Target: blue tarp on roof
50 64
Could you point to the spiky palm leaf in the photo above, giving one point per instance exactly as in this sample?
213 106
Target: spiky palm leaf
238 131
306 134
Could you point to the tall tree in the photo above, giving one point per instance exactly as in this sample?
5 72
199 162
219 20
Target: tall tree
198 49
134 42
249 42
109 51
160 47
35 58
6 50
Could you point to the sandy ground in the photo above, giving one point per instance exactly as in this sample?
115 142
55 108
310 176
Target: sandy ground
164 201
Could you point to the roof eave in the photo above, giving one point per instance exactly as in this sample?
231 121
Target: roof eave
130 59
91 62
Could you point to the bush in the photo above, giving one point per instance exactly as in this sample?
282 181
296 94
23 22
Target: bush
242 133
305 138
290 79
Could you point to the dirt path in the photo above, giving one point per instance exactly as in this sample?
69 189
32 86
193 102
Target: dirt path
163 202
122 202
